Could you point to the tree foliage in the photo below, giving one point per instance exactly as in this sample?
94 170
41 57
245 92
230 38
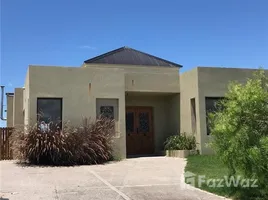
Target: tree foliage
240 130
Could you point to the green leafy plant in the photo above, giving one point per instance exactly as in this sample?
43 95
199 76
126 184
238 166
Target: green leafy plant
240 132
89 143
180 142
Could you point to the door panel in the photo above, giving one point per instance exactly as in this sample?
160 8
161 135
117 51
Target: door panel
131 131
139 130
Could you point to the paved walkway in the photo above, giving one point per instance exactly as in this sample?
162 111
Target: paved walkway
150 178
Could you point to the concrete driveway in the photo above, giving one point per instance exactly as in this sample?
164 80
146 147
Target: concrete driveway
149 178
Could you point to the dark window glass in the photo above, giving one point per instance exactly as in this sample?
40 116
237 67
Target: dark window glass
49 110
130 122
212 105
143 122
107 111
193 115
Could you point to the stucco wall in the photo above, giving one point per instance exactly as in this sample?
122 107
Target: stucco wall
18 118
161 114
189 90
147 79
106 81
162 88
174 113
199 83
26 95
72 85
10 100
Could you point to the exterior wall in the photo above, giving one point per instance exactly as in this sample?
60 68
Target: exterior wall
147 79
18 118
200 83
174 114
78 99
161 114
10 100
162 88
106 82
26 95
213 82
189 89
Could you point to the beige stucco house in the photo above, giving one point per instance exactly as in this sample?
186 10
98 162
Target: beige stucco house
146 95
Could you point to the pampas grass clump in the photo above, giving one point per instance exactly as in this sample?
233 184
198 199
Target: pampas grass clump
90 143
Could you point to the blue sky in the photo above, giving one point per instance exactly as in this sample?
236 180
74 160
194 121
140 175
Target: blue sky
192 33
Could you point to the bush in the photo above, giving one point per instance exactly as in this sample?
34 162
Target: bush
89 143
240 132
180 142
92 142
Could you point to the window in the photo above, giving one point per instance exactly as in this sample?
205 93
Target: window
49 110
193 115
107 111
108 108
212 106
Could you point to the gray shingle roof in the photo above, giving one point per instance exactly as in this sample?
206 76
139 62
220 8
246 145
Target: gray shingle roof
129 56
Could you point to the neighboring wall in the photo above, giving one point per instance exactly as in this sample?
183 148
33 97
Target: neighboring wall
10 99
15 115
18 118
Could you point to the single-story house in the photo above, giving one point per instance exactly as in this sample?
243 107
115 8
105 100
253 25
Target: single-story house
146 96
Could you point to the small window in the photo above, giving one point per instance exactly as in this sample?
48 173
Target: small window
108 108
211 106
49 110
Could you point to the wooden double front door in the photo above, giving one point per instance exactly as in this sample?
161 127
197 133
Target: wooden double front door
139 130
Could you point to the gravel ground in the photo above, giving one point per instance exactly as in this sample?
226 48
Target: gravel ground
145 178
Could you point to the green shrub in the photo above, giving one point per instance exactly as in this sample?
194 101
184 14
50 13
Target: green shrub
89 143
240 132
180 142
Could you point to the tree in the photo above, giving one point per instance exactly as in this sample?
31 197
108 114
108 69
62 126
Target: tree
240 130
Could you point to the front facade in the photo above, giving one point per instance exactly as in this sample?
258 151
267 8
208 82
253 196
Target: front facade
147 97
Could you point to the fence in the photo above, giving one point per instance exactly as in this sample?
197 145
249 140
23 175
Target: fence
5 150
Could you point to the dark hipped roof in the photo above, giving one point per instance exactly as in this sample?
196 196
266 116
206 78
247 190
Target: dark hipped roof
129 56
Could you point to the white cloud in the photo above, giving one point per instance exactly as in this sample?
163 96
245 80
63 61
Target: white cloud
87 47
10 84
